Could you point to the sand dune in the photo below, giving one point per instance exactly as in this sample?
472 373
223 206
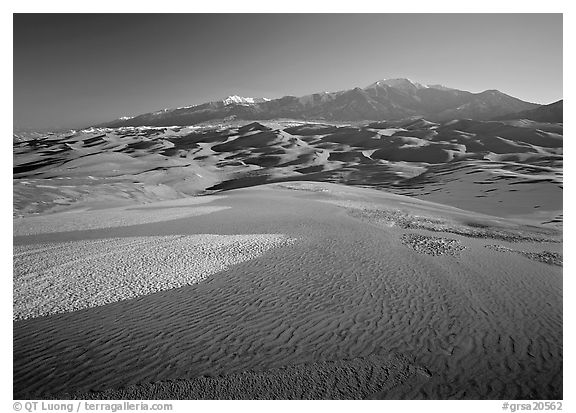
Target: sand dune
347 301
434 272
508 165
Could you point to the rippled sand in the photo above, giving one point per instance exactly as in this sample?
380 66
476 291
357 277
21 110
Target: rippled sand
74 275
358 378
347 298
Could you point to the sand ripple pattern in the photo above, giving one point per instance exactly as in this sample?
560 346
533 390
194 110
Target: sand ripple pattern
71 276
109 218
485 325
357 378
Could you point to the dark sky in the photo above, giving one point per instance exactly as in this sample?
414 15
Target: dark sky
73 70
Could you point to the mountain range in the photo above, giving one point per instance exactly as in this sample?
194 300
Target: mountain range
390 99
429 142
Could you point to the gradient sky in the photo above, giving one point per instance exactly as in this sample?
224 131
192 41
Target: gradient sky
73 70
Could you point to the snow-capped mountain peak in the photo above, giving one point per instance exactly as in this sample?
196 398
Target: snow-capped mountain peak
400 83
440 87
239 100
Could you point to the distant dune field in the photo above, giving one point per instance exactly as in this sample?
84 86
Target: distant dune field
503 168
291 290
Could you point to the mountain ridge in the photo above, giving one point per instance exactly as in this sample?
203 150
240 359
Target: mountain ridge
390 99
551 113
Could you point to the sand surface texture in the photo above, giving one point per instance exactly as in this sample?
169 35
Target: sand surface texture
284 290
358 378
73 275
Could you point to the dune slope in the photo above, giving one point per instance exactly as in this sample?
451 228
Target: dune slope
402 298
